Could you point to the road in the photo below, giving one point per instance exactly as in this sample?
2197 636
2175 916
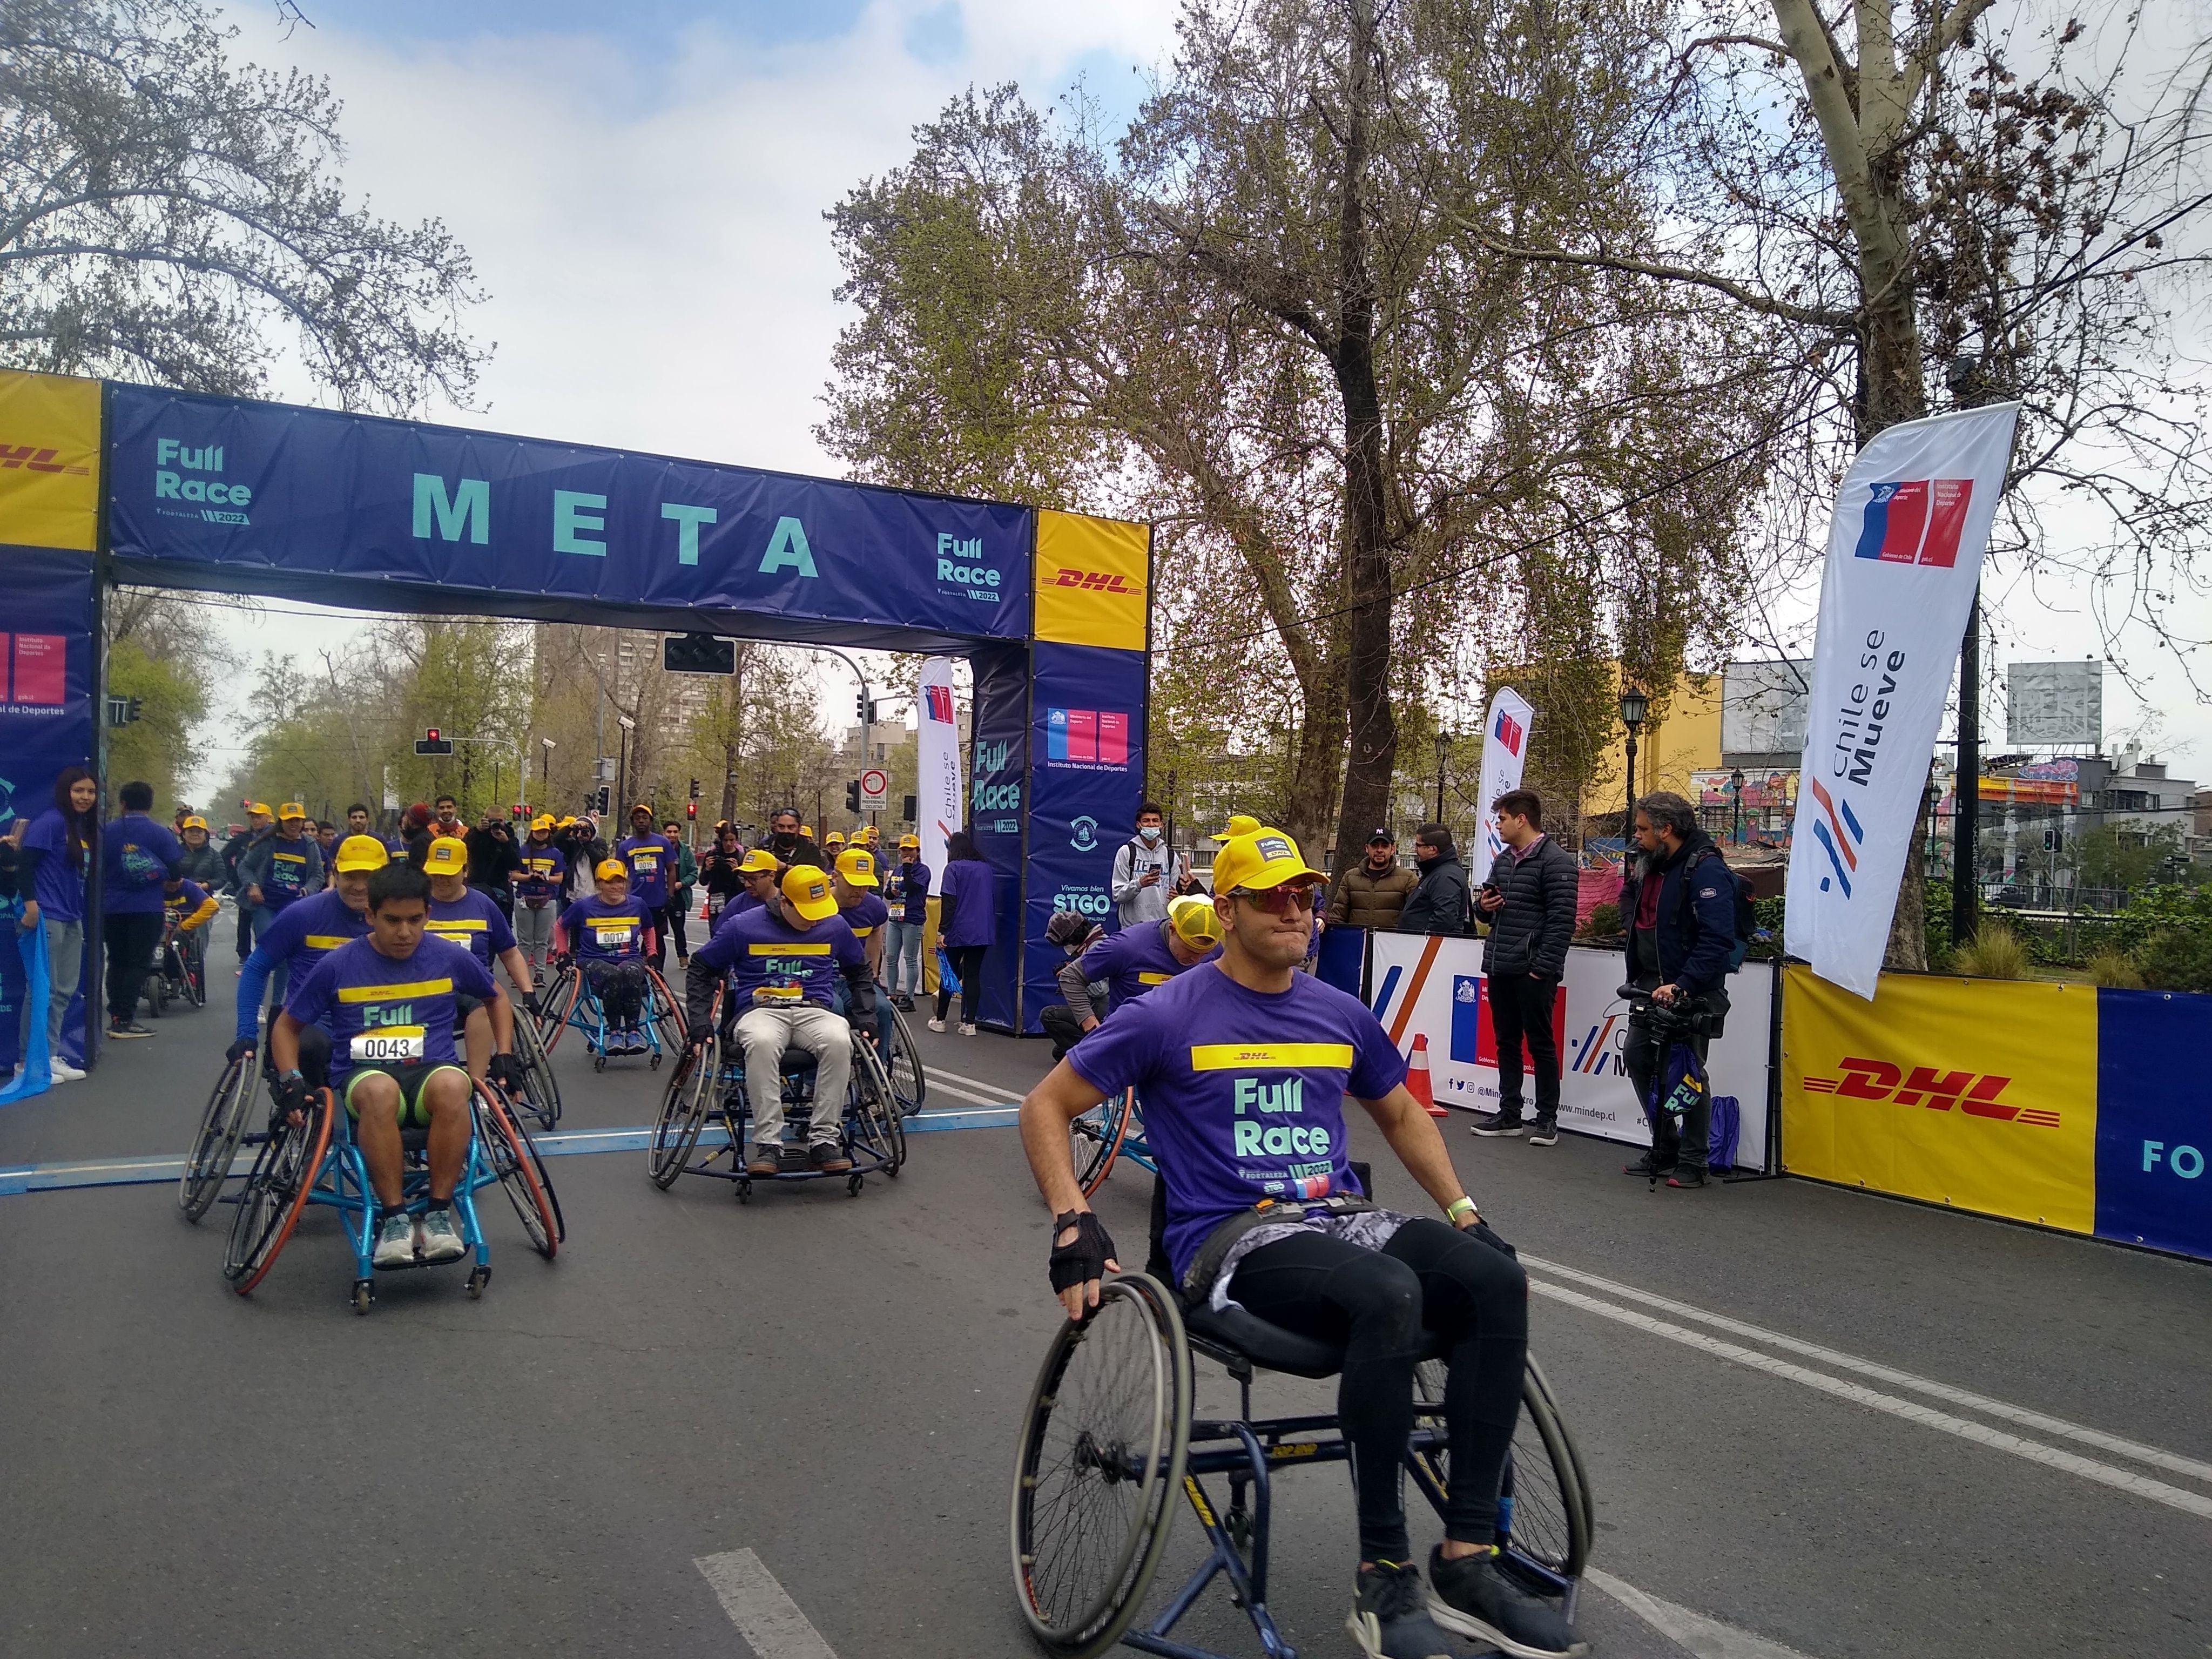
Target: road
1816 1422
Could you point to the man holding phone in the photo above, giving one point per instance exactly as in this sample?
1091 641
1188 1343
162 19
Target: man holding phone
1529 900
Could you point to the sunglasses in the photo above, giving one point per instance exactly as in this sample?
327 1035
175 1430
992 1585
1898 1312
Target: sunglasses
1280 901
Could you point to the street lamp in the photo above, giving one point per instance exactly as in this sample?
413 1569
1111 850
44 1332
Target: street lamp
1634 705
1736 786
621 769
1443 753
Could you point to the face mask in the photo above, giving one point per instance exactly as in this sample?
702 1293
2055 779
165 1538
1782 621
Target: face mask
1150 832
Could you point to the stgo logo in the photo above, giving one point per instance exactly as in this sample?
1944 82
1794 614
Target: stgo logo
1975 1094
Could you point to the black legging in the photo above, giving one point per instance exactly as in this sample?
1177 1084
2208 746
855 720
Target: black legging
620 986
669 918
1377 1303
968 966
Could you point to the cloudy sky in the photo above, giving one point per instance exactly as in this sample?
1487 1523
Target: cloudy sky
642 186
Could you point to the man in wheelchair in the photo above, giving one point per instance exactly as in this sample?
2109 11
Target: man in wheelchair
1242 1065
290 948
388 1000
782 961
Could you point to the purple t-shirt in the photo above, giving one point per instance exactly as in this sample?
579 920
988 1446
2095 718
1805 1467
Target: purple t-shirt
906 889
1134 961
60 883
380 1011
137 854
974 886
1242 1091
770 966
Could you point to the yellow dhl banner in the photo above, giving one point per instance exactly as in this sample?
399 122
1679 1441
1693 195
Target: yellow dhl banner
1090 581
1979 1094
49 461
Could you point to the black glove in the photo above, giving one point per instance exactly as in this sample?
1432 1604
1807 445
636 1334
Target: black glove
1481 1230
1084 1257
507 1072
289 1092
700 1030
530 1003
239 1049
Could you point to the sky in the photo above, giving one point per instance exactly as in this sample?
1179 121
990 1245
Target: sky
642 187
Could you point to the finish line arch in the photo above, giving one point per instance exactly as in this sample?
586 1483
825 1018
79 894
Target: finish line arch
103 482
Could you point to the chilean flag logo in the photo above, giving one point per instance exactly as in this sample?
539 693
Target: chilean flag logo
1508 732
939 699
1915 521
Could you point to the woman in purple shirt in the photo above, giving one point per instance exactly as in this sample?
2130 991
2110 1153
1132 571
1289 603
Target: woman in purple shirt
966 924
58 851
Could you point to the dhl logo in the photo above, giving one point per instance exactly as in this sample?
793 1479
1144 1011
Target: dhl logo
1096 581
1975 1094
25 457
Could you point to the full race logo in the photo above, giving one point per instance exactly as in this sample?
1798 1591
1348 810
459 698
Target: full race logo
1975 1094
1915 521
186 475
961 570
1840 838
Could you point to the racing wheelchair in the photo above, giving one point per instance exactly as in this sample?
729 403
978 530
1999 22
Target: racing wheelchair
572 1001
1112 1130
1107 1442
179 972
319 1163
708 1082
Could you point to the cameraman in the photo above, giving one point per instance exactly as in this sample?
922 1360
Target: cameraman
1679 900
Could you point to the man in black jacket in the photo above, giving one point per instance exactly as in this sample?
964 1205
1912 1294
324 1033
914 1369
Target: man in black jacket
1439 902
1530 901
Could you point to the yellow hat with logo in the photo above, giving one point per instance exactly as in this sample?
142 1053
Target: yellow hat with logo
835 838
361 853
565 822
760 861
448 856
910 841
611 870
291 809
806 830
858 866
872 835
807 890
1195 921
543 821
255 807
195 822
1240 823
1263 859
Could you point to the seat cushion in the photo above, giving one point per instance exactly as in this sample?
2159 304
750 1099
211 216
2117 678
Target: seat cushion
1263 1344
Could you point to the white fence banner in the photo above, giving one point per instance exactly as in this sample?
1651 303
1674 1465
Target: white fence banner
1432 987
940 803
1904 551
1504 752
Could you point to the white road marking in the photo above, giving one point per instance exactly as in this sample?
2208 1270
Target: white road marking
769 1619
975 1089
1944 1391
1708 1638
2032 1451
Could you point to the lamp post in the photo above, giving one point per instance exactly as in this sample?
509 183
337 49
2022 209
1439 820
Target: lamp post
1634 705
1443 753
1735 788
545 789
621 813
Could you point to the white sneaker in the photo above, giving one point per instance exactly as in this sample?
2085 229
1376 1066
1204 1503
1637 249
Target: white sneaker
441 1240
967 1030
62 1072
937 1025
395 1242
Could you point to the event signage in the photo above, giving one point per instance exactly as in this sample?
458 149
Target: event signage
1504 753
1905 553
939 798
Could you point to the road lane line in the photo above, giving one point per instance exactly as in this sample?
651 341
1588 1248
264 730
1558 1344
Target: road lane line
769 1619
2033 1451
1708 1638
1956 1396
977 1096
994 1093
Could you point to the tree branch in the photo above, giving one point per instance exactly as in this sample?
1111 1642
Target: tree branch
1766 305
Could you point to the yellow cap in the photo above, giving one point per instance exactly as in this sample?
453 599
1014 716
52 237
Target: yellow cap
1263 859
909 841
611 870
1195 921
448 856
196 822
543 821
291 809
807 830
871 834
808 891
252 806
858 866
835 838
757 861
1240 823
564 823
361 853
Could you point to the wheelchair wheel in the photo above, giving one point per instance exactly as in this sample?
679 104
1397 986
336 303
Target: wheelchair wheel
275 1194
156 996
207 1163
541 1092
909 1084
1094 1139
195 980
665 1018
1544 1512
556 1004
1100 1460
514 1158
684 1104
877 1124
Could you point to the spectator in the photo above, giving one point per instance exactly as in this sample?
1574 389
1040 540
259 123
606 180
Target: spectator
1530 902
1680 903
259 826
1372 893
967 926
1084 1003
791 842
415 835
493 860
719 873
1439 902
447 819
326 837
680 900
56 864
139 856
906 889
1147 871
203 860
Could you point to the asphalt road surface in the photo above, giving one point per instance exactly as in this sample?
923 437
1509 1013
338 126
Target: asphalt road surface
1816 1422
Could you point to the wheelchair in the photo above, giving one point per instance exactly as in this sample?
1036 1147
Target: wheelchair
1112 1130
179 972
321 1163
572 1001
539 1094
1107 1442
709 1083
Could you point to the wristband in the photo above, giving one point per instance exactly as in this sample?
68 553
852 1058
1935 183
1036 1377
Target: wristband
1459 1209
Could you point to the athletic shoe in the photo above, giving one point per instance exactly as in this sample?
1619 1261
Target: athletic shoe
1644 1169
1391 1621
937 1025
903 1002
1471 1596
441 1240
127 1028
62 1072
1684 1175
828 1159
395 1241
1497 1123
1544 1134
967 1030
764 1161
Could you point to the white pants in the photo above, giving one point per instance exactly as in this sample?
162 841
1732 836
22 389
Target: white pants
767 1035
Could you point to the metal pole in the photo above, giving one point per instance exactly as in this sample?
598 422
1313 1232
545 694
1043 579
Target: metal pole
1628 821
1967 785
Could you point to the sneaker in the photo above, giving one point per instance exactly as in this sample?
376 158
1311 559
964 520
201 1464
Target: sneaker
1645 1169
62 1072
1470 1595
127 1028
967 1030
1391 1619
936 1024
904 1002
828 1159
395 1241
1497 1123
764 1161
441 1240
1545 1134
1684 1176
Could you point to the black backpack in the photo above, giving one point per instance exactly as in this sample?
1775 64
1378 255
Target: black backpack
1747 918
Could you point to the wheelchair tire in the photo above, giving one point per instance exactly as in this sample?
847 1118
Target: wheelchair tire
878 1123
667 1021
909 1083
683 1107
1094 1139
208 1165
513 1157
556 1004
1098 1467
276 1195
541 1096
196 979
1545 1515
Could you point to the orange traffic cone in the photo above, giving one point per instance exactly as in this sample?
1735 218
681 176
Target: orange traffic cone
1417 1077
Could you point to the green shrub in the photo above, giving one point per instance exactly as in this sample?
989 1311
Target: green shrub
2115 967
1994 952
1604 922
2178 959
2159 910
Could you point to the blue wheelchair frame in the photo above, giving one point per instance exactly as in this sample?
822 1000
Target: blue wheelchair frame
584 1012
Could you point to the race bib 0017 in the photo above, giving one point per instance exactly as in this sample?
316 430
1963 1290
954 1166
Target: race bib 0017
390 1045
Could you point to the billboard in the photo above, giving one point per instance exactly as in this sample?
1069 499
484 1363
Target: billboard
2055 702
1763 707
1764 788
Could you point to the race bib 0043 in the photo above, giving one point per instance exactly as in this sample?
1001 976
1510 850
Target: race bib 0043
389 1045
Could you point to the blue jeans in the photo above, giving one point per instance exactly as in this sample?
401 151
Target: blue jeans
903 957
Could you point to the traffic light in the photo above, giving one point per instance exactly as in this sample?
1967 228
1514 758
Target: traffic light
690 809
860 707
853 797
698 653
517 810
431 744
601 799
2050 840
121 711
695 793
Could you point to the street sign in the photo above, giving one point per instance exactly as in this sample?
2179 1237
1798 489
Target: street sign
875 790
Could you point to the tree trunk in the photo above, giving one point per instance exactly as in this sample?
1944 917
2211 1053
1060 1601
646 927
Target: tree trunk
1317 760
1908 925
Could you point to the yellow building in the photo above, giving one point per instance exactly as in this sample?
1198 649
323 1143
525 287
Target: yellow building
1683 738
